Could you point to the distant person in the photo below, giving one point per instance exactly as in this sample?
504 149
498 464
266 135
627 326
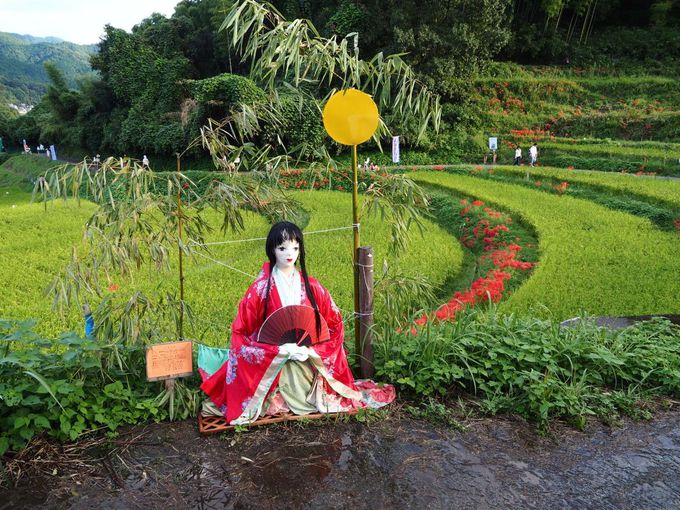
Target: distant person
533 154
145 161
518 155
367 164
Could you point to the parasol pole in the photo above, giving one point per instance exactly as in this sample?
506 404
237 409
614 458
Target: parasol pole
355 225
179 250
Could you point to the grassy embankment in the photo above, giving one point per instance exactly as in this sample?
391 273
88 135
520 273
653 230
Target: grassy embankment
592 260
35 246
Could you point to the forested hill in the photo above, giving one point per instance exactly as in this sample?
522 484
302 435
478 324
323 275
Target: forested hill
22 72
570 68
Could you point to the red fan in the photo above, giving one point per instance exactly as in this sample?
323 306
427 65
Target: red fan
293 324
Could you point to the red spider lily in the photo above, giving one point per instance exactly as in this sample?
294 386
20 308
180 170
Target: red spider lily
561 187
501 253
113 287
421 321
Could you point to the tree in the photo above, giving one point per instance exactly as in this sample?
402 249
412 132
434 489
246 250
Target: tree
439 38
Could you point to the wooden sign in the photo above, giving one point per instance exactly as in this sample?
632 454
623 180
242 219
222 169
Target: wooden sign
169 360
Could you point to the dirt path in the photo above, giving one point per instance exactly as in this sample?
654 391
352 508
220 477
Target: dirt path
395 463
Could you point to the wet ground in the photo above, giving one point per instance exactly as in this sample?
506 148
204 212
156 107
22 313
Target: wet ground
397 462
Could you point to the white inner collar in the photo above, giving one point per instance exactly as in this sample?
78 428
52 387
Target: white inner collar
289 287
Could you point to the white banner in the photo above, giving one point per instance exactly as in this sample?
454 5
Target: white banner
493 143
53 151
395 149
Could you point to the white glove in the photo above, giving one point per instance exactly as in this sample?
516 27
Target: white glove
294 351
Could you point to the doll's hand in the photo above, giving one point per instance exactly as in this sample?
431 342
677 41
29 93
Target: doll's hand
294 351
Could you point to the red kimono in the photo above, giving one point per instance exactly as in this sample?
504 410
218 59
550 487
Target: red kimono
250 375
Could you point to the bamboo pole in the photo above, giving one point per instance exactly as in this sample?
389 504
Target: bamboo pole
366 309
179 250
355 216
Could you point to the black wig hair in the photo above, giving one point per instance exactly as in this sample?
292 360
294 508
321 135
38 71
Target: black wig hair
287 231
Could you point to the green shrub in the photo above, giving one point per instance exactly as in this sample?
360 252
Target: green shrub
69 387
227 89
535 368
298 126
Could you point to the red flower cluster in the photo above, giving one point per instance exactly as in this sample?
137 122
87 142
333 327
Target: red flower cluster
492 229
525 132
677 225
291 172
561 187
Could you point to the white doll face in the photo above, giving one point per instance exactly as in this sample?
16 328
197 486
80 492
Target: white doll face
286 255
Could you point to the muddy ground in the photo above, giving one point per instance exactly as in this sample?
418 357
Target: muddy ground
397 462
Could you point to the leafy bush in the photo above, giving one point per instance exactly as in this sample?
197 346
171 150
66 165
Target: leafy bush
69 387
228 89
535 368
299 125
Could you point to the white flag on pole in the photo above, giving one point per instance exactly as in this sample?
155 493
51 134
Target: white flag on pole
395 149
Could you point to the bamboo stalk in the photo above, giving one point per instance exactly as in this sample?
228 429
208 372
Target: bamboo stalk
355 216
366 308
179 251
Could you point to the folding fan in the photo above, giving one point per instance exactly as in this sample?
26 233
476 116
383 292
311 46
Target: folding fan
293 324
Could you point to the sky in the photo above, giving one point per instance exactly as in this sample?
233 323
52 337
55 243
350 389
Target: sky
78 21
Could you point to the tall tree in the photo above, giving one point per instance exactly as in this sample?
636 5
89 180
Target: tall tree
439 37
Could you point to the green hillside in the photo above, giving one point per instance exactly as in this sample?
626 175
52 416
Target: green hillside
22 59
572 101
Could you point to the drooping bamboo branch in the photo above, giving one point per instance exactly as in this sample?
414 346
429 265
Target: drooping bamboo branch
137 224
294 52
